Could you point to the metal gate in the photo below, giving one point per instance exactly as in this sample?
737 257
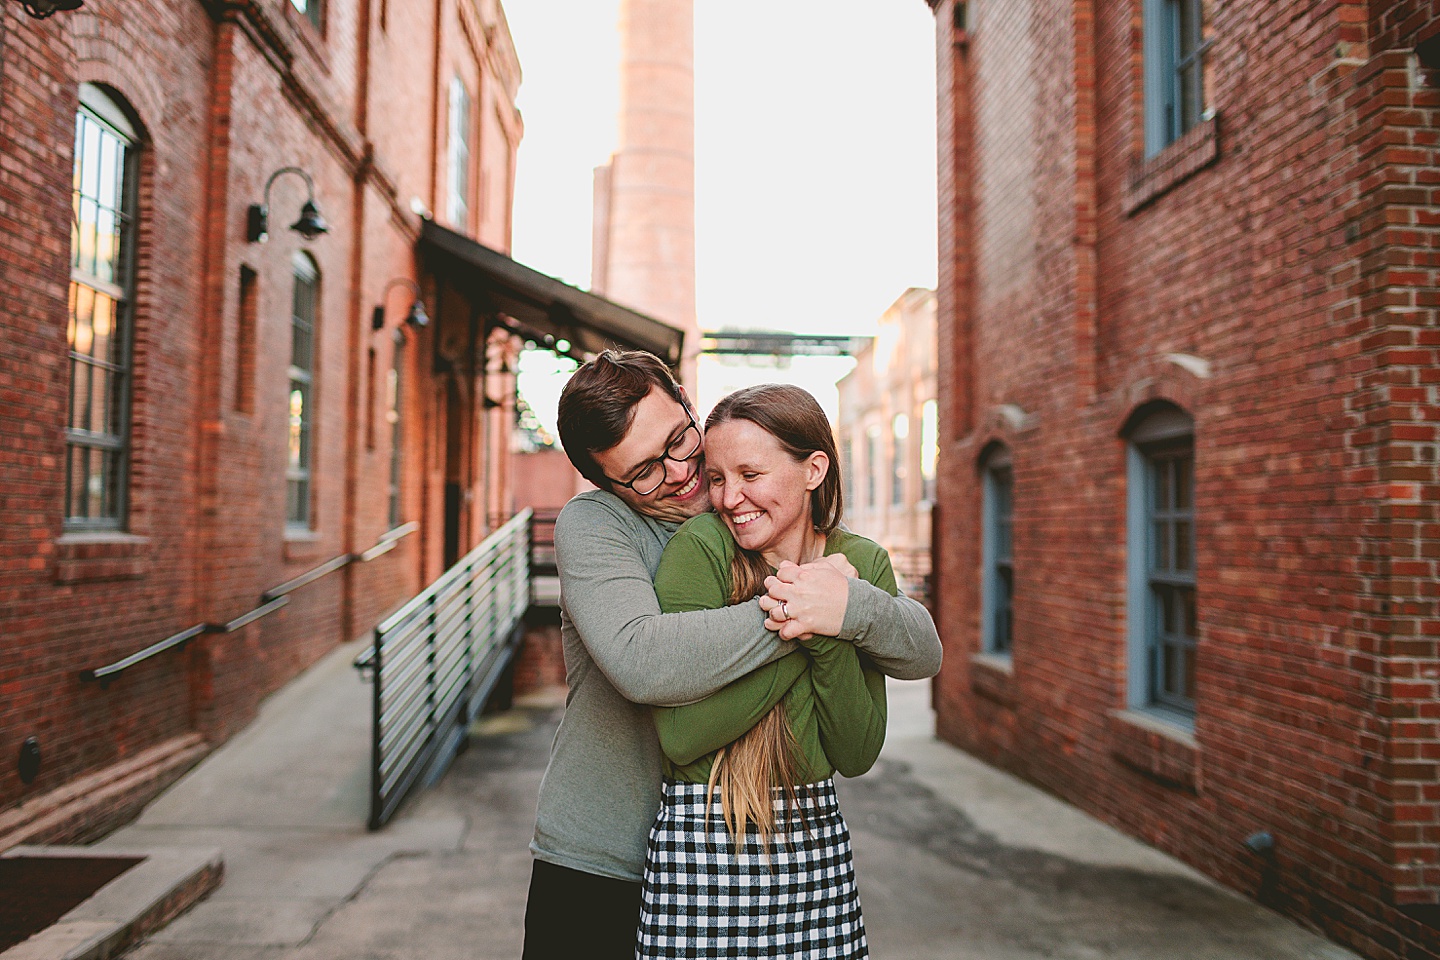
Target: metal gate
436 661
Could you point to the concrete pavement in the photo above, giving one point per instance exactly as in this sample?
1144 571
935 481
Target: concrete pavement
955 860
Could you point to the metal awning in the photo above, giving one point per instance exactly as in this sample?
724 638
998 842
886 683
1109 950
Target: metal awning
544 305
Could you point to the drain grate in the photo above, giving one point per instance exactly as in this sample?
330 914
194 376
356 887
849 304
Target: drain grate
37 891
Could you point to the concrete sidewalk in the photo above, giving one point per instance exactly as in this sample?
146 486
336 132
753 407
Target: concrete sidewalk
955 860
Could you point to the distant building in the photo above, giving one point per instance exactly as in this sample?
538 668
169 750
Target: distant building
1189 535
223 453
888 437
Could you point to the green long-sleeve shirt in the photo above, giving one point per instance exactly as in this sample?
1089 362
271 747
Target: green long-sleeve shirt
833 695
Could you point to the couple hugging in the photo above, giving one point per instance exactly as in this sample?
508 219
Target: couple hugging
722 666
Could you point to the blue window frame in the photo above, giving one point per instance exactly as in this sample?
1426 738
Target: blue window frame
997 586
1174 54
1163 608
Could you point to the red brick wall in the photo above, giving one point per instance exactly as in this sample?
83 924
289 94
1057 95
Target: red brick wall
1290 249
225 94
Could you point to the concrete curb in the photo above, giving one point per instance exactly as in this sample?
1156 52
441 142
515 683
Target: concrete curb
167 882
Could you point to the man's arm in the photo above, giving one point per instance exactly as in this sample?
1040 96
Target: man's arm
650 657
897 632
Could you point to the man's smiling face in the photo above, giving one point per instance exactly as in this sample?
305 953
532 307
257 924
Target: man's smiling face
661 424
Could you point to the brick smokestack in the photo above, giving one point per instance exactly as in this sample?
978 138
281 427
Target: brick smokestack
644 254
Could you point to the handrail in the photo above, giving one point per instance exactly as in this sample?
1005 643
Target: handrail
387 540
365 660
270 601
434 663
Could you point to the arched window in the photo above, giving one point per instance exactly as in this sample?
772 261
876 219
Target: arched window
1161 537
301 402
102 267
997 585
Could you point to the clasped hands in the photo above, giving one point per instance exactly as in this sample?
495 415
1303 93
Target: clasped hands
805 600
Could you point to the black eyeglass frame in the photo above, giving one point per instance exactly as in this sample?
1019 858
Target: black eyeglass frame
660 460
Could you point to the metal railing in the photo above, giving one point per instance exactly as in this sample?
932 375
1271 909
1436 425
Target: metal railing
544 575
436 660
270 601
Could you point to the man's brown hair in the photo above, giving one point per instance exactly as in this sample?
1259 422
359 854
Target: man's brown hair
597 405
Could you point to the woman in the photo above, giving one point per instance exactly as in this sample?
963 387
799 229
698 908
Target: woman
749 856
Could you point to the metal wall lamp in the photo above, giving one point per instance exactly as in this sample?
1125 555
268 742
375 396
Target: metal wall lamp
415 316
310 225
40 9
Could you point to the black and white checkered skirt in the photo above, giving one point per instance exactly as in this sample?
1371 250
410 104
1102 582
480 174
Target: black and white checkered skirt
794 896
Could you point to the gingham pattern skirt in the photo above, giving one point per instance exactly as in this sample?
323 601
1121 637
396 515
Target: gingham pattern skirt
793 897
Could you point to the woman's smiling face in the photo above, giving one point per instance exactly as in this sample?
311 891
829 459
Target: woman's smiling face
761 491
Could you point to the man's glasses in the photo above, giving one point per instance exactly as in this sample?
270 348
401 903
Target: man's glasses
652 474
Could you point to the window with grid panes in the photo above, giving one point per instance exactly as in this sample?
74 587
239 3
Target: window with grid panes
998 572
1163 608
102 239
1172 577
301 399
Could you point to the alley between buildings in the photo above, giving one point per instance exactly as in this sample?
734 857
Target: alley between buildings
955 859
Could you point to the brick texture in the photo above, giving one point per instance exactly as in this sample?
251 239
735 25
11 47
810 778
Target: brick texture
224 93
1273 274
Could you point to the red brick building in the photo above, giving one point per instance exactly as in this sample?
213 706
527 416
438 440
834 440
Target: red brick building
1188 548
191 419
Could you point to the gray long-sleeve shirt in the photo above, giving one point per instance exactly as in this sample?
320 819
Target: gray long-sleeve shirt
602 787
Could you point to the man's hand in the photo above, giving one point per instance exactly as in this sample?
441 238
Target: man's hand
814 596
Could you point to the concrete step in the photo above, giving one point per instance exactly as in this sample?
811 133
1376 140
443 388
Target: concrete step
153 887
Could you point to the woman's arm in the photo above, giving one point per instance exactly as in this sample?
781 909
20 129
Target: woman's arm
850 706
690 732
694 574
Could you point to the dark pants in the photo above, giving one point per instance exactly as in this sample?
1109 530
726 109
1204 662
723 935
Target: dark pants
580 916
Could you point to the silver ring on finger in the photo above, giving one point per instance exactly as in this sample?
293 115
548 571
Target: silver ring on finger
784 611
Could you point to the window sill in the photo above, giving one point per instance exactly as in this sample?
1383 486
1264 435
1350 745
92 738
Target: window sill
301 545
992 676
1193 152
1156 747
86 557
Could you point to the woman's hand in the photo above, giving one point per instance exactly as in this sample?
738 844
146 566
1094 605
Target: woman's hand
806 600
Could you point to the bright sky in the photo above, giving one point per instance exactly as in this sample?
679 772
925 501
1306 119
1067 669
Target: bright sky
814 165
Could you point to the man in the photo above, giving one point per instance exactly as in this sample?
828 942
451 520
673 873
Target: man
628 427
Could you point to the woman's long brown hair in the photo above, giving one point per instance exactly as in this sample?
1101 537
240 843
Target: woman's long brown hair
764 757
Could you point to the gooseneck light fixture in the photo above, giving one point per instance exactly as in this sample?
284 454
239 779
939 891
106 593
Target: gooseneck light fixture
310 225
40 9
415 316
